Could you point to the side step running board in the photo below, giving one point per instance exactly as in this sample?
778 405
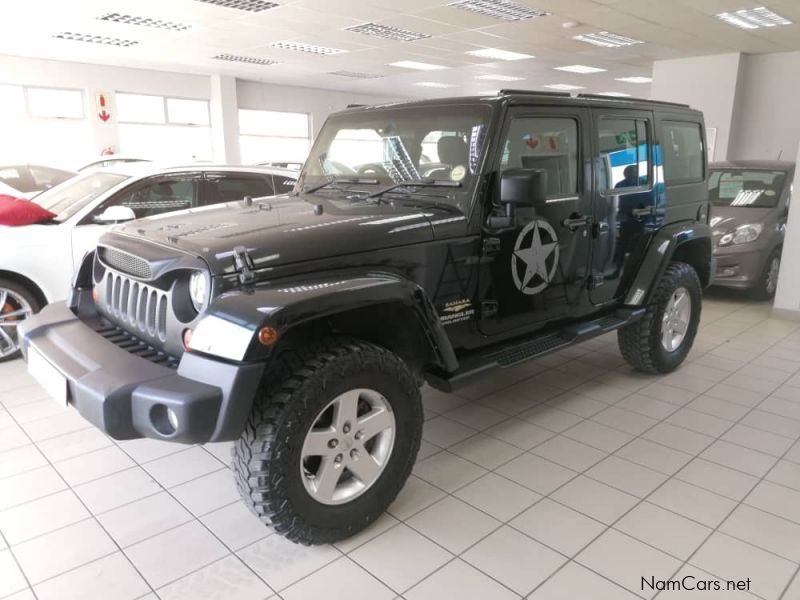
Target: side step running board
512 353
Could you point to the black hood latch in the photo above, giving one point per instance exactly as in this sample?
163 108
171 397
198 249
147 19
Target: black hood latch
243 264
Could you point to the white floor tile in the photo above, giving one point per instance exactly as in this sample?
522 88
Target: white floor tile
207 492
693 502
536 473
447 471
225 578
663 529
558 526
459 580
235 525
29 486
11 578
181 467
575 582
497 496
453 524
110 577
595 499
139 520
37 517
343 579
114 490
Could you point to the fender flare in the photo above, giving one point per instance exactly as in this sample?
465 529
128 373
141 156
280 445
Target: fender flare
659 253
230 325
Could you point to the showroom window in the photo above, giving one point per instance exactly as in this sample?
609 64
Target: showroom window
682 145
273 136
54 103
163 128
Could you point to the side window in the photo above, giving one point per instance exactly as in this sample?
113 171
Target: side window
157 197
546 143
682 146
624 154
235 187
283 184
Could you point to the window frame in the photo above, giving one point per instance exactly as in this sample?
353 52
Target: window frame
666 122
308 138
29 113
650 143
165 111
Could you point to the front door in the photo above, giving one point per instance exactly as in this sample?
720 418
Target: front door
535 266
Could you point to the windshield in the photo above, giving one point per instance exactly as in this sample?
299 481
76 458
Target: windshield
71 196
746 188
393 145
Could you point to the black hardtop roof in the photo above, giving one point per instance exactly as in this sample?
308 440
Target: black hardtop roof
513 97
769 165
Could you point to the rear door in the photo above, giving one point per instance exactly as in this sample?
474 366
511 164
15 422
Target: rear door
625 208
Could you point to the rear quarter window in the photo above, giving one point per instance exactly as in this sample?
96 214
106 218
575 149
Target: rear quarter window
683 152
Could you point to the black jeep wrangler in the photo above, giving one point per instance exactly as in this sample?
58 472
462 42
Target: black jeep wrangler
425 241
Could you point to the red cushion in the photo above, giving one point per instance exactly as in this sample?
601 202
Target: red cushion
14 211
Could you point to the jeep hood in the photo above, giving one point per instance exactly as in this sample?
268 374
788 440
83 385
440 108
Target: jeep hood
286 229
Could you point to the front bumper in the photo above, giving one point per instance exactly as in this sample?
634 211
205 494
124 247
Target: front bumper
739 267
127 396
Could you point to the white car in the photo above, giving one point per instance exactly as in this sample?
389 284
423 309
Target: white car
37 261
110 161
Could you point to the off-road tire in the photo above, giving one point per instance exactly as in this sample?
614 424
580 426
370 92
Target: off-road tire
266 459
29 297
760 291
640 342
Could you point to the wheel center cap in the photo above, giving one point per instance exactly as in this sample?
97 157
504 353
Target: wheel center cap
347 443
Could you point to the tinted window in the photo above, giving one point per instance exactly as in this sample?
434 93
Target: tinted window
283 184
739 187
235 187
624 154
548 144
157 197
71 196
682 146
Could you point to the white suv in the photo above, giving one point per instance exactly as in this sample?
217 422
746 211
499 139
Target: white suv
37 261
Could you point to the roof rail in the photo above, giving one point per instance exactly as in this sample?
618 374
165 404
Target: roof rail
533 93
628 99
355 105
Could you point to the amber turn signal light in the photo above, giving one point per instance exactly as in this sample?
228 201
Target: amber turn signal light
267 335
187 338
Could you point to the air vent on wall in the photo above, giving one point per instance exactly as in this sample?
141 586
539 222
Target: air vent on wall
386 32
500 9
251 60
94 39
248 5
303 47
355 74
606 39
143 21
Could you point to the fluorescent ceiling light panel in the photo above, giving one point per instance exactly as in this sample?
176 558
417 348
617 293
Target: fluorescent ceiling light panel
607 40
500 9
753 18
613 94
355 74
143 21
94 39
564 87
248 5
582 69
303 47
497 54
434 84
499 78
389 33
251 60
635 79
419 66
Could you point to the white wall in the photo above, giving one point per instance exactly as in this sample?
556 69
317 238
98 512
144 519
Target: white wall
317 102
767 114
707 83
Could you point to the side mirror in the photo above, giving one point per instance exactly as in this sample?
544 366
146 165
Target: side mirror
523 187
115 214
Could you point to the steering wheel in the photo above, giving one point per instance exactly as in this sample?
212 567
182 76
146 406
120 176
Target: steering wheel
373 169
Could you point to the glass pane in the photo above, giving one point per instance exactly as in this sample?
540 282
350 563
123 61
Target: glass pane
230 189
748 188
139 108
63 144
267 122
156 198
169 143
188 112
71 196
548 144
55 103
12 102
624 154
258 149
683 152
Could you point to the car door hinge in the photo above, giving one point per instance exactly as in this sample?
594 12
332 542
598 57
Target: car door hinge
491 246
243 264
489 309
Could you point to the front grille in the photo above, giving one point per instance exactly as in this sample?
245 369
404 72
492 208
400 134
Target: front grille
127 263
136 305
130 343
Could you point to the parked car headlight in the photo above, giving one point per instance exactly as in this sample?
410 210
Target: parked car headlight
198 290
742 234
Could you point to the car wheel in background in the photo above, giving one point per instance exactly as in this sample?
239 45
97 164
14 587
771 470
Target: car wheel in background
17 303
768 282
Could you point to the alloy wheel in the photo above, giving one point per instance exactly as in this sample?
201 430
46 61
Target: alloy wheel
14 309
676 318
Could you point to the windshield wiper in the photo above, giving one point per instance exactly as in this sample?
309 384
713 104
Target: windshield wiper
415 183
335 180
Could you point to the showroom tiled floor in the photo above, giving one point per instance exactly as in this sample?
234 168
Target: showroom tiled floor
570 477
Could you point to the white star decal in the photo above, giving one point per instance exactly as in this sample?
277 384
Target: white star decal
535 257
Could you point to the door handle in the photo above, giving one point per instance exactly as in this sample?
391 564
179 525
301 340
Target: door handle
575 221
643 212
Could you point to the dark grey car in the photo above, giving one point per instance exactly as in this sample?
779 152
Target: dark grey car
749 206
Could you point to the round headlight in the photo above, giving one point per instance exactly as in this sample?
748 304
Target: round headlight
198 290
